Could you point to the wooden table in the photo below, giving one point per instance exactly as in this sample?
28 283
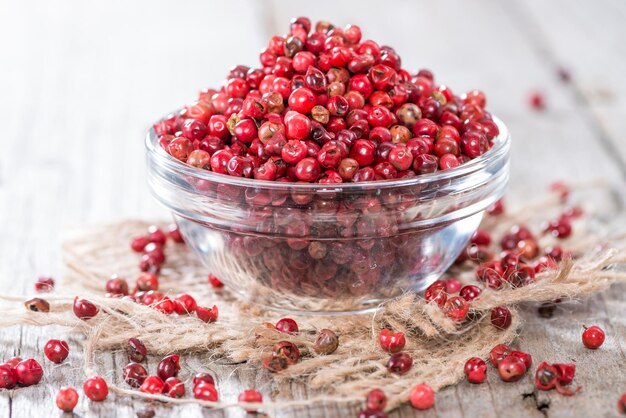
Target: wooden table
81 81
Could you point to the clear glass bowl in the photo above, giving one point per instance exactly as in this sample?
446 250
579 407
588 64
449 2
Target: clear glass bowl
328 248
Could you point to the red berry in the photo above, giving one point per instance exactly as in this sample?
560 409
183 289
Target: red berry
287 350
250 396
390 341
436 293
173 231
446 146
448 161
8 376
401 158
475 370
302 100
474 144
215 282
147 281
245 130
155 252
511 368
139 243
525 357
593 337
308 170
481 237
422 397
501 317
29 372
456 308
546 376
194 129
363 152
499 352
96 389
380 116
134 374
208 315
219 161
44 284
218 127
205 392
559 228
184 304
169 367
237 87
84 309
565 372
287 325
156 235
302 61
497 208
164 305
376 400
294 151
425 164
174 388
453 285
116 285
337 105
180 148
153 385
399 363
352 34
297 125
470 292
537 100
136 350
203 378
66 399
383 77
56 350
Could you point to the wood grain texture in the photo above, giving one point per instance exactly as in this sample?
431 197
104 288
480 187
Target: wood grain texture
81 81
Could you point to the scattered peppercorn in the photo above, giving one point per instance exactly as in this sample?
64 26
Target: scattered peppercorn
326 342
422 397
511 368
56 350
136 350
66 399
392 342
593 337
44 284
96 389
475 370
37 305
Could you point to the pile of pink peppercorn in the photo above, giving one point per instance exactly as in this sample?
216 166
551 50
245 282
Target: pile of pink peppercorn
327 106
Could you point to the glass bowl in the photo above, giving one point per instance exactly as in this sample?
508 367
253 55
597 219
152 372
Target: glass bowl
322 248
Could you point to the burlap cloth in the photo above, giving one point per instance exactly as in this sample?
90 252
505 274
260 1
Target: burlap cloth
438 345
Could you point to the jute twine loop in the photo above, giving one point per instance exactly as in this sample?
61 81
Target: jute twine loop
439 346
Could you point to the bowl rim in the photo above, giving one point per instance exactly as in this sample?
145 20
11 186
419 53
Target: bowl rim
500 148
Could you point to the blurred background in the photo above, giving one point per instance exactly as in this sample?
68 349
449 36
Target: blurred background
81 81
